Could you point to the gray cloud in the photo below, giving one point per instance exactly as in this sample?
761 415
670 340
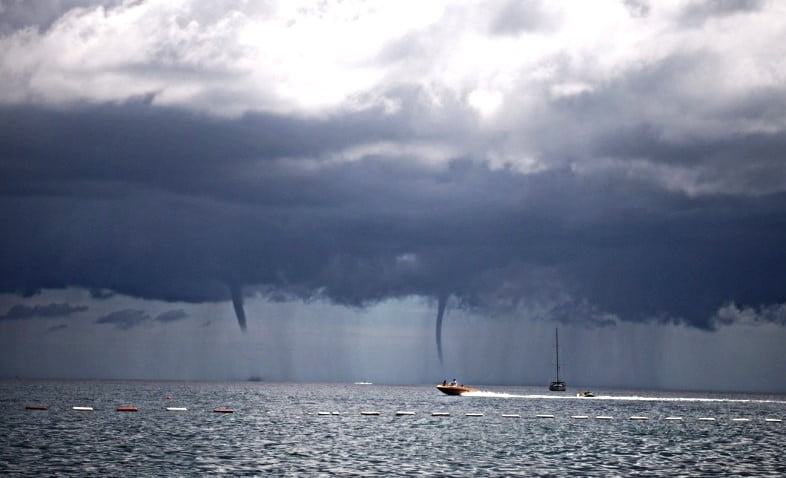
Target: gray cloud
699 11
15 15
521 16
124 319
172 315
21 311
637 8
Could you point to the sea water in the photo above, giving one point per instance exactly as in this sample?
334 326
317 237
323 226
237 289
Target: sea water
307 429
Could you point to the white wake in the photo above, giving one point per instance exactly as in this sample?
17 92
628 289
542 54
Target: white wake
489 394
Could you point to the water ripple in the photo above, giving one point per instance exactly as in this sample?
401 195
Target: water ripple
276 430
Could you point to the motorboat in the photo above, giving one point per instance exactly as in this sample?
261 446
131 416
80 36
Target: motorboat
453 389
585 394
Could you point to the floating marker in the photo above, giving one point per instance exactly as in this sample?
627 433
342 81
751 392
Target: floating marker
544 416
223 410
36 407
603 417
673 419
127 409
706 419
440 414
403 413
369 413
773 420
176 409
474 414
511 415
82 409
638 418
740 419
336 413
579 417
324 413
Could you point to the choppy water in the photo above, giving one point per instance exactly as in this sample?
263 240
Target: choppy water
277 429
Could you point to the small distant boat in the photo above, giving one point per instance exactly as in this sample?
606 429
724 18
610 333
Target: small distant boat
451 389
557 385
585 394
363 383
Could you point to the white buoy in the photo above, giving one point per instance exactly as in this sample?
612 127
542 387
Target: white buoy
579 417
336 413
324 413
474 414
440 414
673 419
402 413
740 419
773 420
638 418
82 409
706 419
511 415
604 417
544 416
369 413
176 409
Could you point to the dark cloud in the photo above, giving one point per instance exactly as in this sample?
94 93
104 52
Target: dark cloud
170 206
172 315
21 311
124 319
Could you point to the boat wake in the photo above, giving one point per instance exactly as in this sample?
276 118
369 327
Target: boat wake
489 394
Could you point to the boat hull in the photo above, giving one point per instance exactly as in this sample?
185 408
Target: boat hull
557 386
454 389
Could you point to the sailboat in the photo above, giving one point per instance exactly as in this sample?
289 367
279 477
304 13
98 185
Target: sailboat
557 385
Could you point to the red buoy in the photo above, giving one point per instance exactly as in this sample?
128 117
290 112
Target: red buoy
127 409
223 410
36 407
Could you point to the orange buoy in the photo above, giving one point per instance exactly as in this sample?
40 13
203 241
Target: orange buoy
223 410
127 409
36 407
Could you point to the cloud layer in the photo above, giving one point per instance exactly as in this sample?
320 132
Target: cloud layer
599 161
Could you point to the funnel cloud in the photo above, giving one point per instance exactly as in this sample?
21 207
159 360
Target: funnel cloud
441 304
237 304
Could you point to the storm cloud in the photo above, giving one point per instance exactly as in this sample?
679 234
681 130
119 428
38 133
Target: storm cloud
632 171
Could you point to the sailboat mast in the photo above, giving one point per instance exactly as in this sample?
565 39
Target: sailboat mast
556 336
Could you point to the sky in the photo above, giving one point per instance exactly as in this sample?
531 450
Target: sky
397 192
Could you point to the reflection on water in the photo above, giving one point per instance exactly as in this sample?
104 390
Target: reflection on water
278 429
